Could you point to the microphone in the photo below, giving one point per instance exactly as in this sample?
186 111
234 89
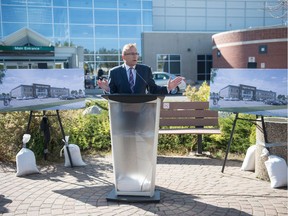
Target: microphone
137 74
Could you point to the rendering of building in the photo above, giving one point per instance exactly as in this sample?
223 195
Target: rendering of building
245 92
172 35
38 91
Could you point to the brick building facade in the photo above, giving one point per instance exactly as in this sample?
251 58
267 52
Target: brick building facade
251 48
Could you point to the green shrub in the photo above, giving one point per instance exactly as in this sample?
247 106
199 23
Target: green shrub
200 94
176 144
243 137
12 127
90 132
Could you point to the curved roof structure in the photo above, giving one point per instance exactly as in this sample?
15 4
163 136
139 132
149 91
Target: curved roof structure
25 36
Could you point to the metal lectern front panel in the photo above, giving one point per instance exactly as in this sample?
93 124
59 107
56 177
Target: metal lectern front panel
134 136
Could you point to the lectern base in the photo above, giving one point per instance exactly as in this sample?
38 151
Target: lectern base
125 198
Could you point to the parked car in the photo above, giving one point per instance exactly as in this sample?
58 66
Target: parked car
67 97
161 79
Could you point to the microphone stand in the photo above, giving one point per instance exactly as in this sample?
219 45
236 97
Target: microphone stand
137 74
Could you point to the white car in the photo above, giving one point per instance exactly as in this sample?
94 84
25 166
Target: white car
161 79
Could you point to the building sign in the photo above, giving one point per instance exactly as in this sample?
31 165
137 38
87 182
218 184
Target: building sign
27 48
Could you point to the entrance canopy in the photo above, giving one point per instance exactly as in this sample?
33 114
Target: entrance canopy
26 42
27 49
25 37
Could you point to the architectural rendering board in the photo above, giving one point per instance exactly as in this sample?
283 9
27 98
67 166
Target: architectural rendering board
42 89
254 91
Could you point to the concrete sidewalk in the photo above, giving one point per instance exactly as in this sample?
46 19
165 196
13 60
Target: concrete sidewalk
188 186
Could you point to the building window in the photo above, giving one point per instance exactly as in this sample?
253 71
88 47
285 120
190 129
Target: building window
204 65
101 27
169 63
218 53
262 49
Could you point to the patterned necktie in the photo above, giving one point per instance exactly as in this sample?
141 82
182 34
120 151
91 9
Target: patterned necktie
131 80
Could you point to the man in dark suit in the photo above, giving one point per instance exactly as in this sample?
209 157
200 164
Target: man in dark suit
133 78
133 123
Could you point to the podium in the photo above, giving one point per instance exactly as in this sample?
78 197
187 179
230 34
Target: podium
134 125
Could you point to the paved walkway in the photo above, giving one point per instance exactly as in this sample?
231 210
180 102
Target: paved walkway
188 186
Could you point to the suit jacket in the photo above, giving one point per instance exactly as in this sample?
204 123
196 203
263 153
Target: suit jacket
119 84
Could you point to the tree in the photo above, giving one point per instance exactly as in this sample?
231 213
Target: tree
281 97
2 75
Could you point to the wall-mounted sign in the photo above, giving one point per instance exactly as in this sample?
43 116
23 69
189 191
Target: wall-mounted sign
27 48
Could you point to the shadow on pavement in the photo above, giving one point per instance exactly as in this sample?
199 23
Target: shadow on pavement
95 170
197 161
3 202
171 202
93 184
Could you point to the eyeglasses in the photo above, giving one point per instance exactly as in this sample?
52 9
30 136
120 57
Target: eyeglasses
131 54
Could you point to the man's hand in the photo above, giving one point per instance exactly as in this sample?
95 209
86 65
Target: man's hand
172 84
103 84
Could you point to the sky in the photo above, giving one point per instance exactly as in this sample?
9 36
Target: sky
263 79
61 78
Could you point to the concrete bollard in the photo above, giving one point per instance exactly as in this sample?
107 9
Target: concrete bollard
276 130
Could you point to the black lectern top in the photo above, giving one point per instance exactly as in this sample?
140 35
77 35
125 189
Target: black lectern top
132 98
